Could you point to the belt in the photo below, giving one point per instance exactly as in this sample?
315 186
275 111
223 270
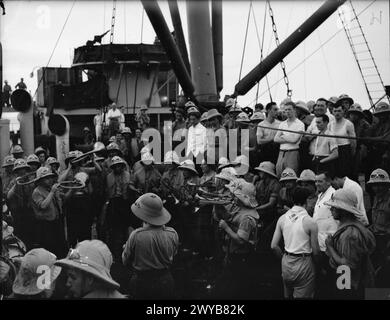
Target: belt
297 254
284 151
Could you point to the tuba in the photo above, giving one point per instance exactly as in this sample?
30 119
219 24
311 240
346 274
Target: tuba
27 179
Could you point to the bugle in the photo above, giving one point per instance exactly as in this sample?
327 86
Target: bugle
97 147
27 179
165 182
71 185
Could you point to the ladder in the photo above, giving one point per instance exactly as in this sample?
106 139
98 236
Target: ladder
113 22
372 79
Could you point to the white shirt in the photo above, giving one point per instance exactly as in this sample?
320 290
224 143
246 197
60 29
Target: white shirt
312 128
114 114
296 240
323 217
355 187
98 120
323 146
343 128
196 139
296 125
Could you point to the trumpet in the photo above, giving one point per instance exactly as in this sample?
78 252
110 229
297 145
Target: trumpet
165 182
71 185
97 147
27 179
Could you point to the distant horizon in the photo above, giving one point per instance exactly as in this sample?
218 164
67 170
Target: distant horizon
329 72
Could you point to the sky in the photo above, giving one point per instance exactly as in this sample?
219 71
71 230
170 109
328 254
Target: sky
30 29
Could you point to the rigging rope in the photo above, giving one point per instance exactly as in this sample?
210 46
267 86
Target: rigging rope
246 36
261 44
282 64
55 46
315 51
372 139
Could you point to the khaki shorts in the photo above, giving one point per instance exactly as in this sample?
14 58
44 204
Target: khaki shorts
298 275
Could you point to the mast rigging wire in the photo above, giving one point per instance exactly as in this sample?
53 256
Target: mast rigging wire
56 44
315 51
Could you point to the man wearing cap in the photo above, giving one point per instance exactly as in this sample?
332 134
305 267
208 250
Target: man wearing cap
53 164
234 111
7 90
299 233
77 166
288 180
88 272
126 144
17 152
254 150
179 127
380 226
216 137
265 137
346 147
331 103
267 193
172 178
350 246
236 280
115 218
303 113
307 180
28 283
7 175
19 201
325 151
196 138
344 101
187 193
147 177
150 250
242 146
33 162
378 151
142 118
289 142
88 141
356 116
47 203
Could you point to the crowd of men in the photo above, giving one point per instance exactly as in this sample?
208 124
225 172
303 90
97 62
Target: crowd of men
308 181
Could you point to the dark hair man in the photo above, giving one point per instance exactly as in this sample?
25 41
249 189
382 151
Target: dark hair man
289 142
300 235
265 137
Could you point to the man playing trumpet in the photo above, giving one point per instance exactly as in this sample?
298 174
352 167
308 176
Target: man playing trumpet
19 201
47 205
